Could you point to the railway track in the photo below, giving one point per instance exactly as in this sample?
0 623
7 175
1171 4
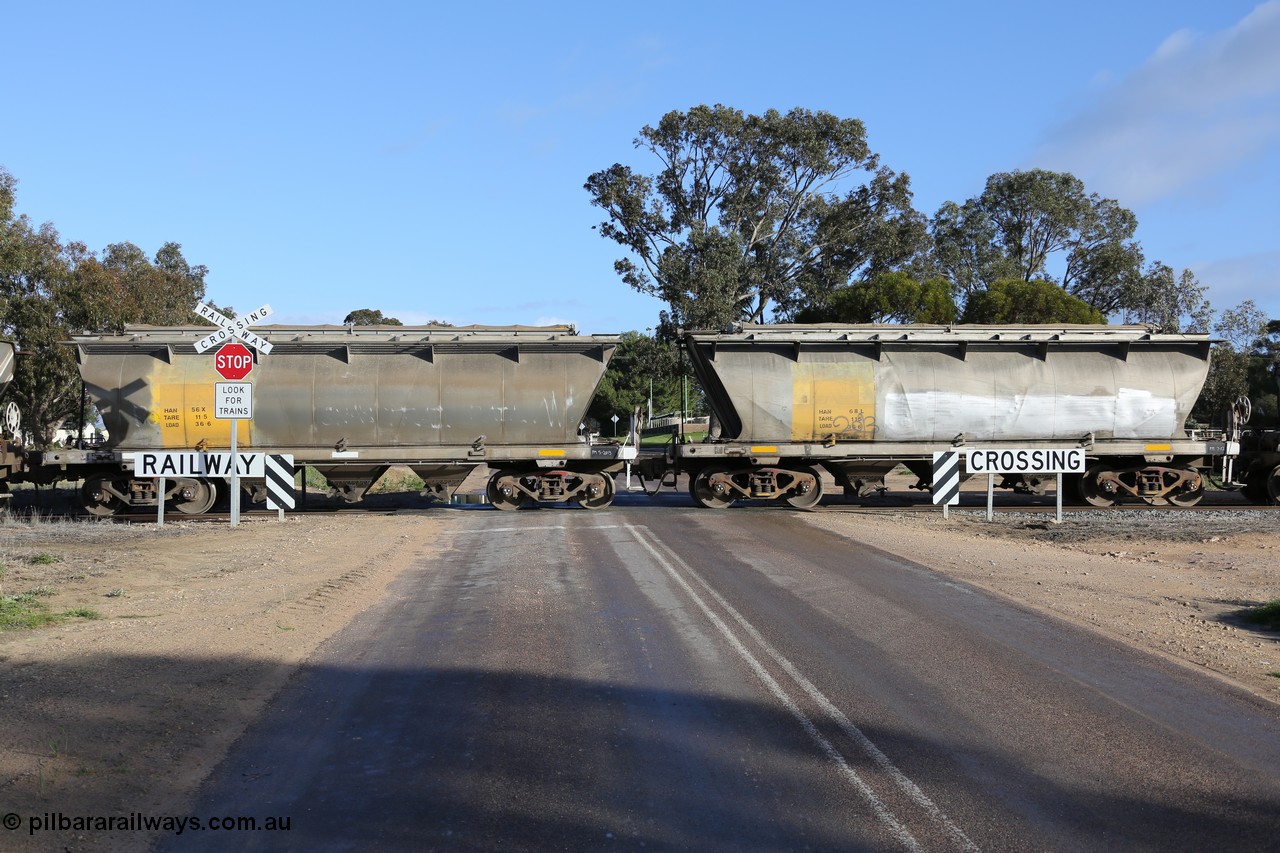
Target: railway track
971 503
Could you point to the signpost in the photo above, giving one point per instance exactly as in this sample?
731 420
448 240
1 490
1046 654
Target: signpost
233 399
1040 460
163 464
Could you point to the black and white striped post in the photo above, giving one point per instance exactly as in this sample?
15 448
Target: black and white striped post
946 479
279 471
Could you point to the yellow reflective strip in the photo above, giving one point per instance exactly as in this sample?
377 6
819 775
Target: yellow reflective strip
551 453
764 450
1155 448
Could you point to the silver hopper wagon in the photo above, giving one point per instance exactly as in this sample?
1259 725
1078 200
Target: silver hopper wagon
860 400
353 401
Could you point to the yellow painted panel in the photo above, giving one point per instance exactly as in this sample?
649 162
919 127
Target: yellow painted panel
184 413
764 449
551 453
1158 447
833 400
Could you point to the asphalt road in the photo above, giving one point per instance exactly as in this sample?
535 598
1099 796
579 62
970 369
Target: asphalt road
668 679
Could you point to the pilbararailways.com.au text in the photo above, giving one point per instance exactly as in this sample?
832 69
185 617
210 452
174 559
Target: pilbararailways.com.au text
140 822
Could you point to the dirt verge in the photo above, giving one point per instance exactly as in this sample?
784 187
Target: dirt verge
199 626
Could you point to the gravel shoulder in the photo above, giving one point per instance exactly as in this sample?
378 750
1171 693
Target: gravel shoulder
202 624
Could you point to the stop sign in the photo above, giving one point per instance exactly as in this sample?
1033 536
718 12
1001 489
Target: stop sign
233 361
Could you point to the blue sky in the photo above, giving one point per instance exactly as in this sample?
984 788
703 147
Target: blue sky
429 161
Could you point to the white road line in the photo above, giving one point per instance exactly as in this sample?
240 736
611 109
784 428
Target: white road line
479 530
886 817
846 725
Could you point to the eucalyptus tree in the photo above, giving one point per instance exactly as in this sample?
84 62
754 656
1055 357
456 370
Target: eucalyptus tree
750 215
1023 221
50 290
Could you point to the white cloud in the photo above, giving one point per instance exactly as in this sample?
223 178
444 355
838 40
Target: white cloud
1200 105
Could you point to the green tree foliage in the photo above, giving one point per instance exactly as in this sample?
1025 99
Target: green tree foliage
1014 301
1264 377
49 291
889 297
1022 220
1175 303
1240 331
371 317
641 362
750 215
1029 225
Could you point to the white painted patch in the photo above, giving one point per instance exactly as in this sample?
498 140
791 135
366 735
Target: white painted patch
941 415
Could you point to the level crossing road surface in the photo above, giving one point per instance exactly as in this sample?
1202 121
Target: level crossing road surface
684 679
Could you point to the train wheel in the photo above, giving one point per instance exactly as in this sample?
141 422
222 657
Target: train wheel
601 500
194 497
1191 496
503 491
810 494
705 492
1273 485
1094 491
97 499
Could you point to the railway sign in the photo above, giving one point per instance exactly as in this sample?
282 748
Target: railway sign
1043 460
280 473
196 463
233 361
233 400
946 478
230 328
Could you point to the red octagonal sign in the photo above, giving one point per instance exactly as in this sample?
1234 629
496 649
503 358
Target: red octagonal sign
233 361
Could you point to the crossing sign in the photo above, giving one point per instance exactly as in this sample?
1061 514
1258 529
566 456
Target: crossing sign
231 328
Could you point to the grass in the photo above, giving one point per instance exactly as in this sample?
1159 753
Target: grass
1266 615
397 480
44 559
27 611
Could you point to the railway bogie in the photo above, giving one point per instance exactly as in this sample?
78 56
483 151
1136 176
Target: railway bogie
719 487
511 489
